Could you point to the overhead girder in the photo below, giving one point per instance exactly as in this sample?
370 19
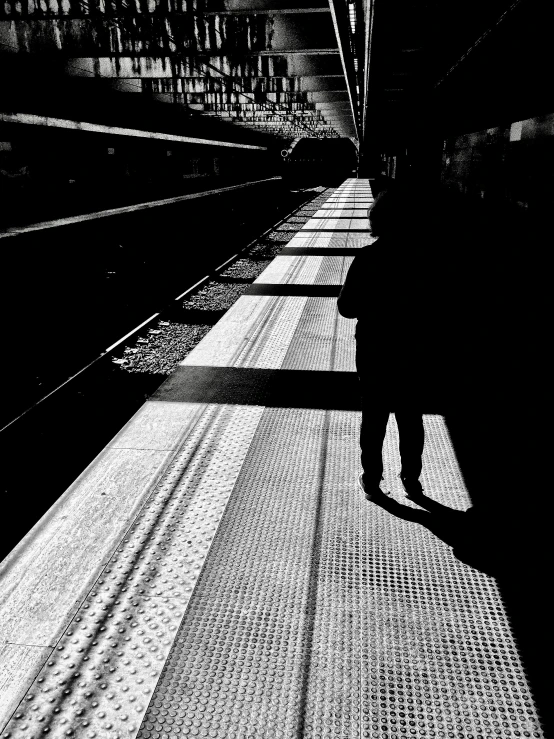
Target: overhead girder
279 125
282 65
117 8
297 116
349 29
262 85
298 112
280 99
233 111
310 116
294 108
279 120
190 34
275 124
330 106
305 82
285 131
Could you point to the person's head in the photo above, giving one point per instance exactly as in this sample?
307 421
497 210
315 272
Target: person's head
380 183
393 211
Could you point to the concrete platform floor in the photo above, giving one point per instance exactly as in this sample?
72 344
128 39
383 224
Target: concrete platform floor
215 572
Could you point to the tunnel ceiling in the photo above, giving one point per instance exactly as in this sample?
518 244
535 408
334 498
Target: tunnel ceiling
269 65
286 68
445 66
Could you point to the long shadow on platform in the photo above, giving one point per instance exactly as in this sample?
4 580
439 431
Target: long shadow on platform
502 450
294 290
470 536
255 386
506 533
501 436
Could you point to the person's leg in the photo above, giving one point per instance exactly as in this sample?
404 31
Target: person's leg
412 439
372 433
375 414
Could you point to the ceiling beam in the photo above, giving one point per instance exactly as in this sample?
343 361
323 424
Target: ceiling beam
133 67
340 16
54 8
140 34
215 85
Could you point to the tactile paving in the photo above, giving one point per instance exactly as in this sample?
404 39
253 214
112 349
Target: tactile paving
259 595
291 269
101 675
244 644
319 240
270 337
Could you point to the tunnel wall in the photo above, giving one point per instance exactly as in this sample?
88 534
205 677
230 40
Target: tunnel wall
513 163
504 176
510 163
48 173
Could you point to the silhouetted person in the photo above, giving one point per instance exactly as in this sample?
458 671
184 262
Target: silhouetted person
398 290
380 183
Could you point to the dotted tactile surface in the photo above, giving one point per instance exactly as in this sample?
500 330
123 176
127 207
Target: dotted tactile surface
440 659
259 595
321 615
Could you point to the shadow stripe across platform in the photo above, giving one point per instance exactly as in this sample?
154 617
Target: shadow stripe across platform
245 588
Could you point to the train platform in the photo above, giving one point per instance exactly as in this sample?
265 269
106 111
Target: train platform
216 572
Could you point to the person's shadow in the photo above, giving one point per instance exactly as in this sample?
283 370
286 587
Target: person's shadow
475 538
509 542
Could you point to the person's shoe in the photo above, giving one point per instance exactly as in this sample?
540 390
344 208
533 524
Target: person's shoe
412 487
375 494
